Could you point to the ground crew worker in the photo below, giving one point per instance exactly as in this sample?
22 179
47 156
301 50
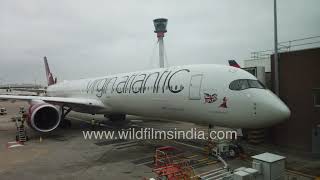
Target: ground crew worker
93 124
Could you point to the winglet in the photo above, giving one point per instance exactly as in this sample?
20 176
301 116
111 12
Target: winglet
234 63
50 79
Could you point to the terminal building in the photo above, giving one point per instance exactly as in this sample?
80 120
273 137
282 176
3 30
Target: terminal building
299 88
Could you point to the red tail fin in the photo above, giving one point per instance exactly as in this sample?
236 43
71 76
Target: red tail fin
48 73
234 63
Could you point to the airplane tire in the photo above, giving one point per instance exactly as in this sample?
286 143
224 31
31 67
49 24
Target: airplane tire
234 151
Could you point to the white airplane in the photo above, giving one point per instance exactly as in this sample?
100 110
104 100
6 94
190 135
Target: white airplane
213 94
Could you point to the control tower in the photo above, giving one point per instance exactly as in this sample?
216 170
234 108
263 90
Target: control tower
160 25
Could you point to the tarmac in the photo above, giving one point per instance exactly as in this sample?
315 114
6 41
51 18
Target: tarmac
65 154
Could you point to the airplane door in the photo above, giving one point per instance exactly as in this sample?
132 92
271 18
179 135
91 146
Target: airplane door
195 86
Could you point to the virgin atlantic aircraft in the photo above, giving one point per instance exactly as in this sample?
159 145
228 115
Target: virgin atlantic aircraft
203 93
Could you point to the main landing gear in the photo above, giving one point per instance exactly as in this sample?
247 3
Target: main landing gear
65 123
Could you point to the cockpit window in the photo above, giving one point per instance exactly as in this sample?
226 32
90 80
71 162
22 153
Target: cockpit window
255 84
242 84
239 84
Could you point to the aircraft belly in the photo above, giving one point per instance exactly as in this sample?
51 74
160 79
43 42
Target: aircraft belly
158 106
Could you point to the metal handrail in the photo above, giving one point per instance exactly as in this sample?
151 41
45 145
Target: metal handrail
286 46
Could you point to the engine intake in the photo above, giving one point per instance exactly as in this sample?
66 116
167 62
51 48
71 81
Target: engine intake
44 117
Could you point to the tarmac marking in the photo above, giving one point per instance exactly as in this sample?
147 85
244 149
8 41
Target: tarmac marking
211 162
144 163
109 142
198 165
126 143
189 157
126 146
13 144
189 145
204 159
142 160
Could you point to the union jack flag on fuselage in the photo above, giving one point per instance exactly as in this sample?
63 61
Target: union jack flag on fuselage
210 98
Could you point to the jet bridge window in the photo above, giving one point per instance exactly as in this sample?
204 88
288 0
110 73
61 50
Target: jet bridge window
241 84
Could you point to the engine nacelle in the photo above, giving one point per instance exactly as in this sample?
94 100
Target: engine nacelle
44 117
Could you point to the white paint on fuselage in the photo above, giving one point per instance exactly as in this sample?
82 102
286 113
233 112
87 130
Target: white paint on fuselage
245 108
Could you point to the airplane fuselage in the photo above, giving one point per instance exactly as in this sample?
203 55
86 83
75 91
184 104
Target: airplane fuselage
195 93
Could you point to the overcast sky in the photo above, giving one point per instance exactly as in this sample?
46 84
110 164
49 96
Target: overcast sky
97 38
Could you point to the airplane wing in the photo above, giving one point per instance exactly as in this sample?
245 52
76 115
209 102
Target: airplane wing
66 101
21 86
30 90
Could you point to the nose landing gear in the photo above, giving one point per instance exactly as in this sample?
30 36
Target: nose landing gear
224 148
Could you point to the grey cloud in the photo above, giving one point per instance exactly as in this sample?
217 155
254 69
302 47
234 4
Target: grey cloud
96 38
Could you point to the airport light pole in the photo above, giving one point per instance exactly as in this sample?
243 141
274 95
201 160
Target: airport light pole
276 60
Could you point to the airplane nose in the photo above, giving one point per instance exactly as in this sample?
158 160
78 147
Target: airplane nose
271 110
281 111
